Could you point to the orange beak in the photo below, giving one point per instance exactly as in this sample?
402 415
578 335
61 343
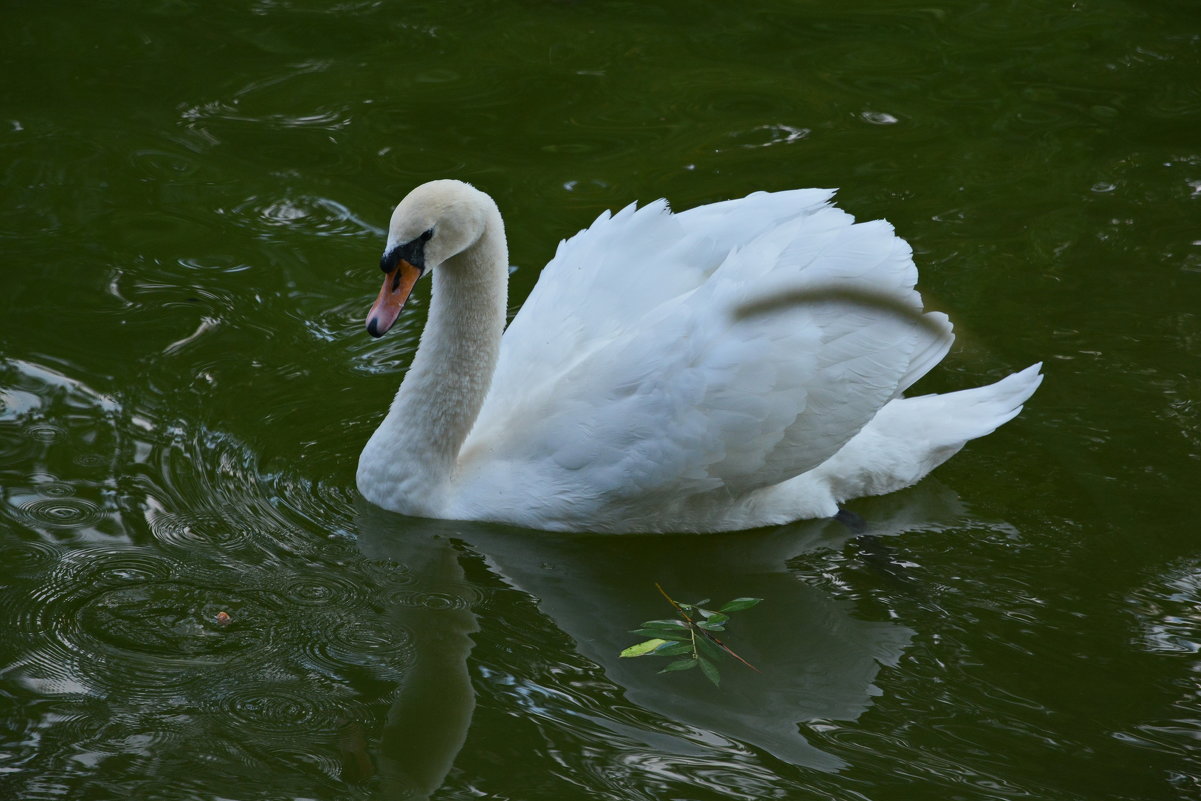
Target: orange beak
392 296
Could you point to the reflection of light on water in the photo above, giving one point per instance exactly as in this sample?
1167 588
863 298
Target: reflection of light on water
1169 608
1171 612
206 324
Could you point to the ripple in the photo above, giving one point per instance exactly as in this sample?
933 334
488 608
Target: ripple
317 216
215 263
1170 611
1178 100
321 589
161 164
44 432
386 651
82 721
365 637
328 764
119 621
878 118
56 489
202 530
27 558
99 567
726 777
460 597
770 135
172 789
170 620
65 512
16 446
48 617
273 707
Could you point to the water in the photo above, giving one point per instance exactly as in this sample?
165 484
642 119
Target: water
193 197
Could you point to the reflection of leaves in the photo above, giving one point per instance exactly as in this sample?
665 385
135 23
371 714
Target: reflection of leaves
691 636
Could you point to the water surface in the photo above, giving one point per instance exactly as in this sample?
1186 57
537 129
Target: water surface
193 198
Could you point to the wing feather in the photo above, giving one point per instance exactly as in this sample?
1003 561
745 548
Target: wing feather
630 369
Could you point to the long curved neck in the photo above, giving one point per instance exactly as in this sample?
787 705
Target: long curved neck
409 462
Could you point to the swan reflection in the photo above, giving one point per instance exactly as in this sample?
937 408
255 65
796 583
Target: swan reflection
818 660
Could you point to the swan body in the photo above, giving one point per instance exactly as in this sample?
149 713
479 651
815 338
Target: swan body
633 393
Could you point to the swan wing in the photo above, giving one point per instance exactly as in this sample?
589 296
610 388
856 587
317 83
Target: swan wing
603 281
631 373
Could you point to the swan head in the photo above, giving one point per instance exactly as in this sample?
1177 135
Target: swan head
434 223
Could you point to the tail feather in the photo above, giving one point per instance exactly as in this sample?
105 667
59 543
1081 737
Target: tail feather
970 413
912 436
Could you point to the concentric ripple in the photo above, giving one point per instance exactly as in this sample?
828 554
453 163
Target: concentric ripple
462 596
312 589
387 651
44 432
169 620
56 489
61 512
108 619
90 459
102 567
279 707
27 558
200 530
16 446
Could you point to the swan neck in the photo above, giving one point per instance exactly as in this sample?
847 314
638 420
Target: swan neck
413 452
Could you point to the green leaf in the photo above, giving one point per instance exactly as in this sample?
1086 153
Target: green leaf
715 617
710 648
678 635
679 664
672 623
710 671
738 604
708 626
644 648
674 649
698 604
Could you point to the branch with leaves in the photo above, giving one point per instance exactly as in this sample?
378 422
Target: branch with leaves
691 636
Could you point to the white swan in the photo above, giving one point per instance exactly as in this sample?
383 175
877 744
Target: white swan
630 395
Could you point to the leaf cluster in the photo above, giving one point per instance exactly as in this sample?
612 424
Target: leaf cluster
692 637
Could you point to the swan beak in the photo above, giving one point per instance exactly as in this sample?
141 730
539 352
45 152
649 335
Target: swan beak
398 283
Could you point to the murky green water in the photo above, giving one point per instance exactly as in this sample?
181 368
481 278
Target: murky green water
192 203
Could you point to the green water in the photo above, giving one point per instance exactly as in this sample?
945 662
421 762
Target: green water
192 203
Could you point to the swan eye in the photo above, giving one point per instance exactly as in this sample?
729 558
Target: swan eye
413 252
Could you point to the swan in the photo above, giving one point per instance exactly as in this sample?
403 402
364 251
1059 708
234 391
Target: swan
631 394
